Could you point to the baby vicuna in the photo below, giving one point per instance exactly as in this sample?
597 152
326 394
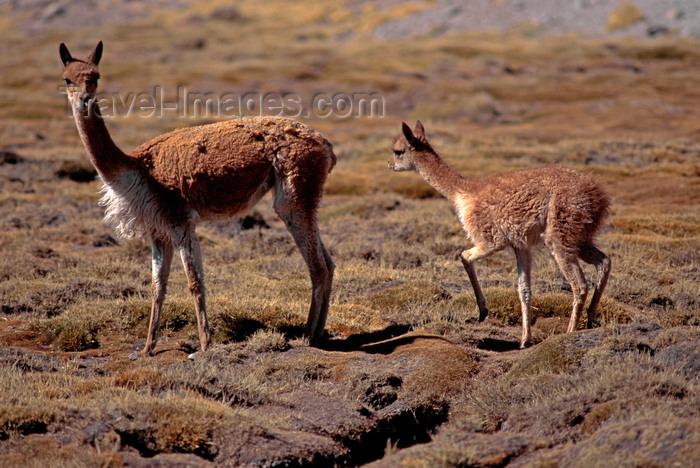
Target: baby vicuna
163 188
559 206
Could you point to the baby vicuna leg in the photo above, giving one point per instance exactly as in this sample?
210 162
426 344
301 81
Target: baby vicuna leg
592 255
524 260
468 258
570 268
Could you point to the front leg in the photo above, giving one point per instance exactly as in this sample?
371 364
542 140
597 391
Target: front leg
162 256
468 258
191 254
525 293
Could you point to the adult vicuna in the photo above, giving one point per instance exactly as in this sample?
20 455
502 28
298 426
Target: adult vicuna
165 186
518 210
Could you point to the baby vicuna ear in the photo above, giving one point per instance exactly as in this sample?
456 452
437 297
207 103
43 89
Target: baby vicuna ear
412 137
419 131
407 133
66 57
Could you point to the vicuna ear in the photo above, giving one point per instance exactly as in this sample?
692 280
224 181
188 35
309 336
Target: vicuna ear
66 57
96 54
407 133
419 131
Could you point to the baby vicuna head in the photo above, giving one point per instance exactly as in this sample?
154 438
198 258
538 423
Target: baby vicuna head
407 145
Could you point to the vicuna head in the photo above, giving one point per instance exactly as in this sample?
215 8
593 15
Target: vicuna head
81 76
407 145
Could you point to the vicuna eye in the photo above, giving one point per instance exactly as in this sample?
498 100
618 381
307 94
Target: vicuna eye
398 153
68 82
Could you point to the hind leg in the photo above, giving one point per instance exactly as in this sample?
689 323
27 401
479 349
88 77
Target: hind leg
570 268
301 223
524 262
592 255
574 275
330 266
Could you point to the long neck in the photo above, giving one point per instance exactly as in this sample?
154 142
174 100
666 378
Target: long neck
439 175
104 154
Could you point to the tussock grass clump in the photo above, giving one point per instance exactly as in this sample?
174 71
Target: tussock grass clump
446 374
240 323
78 327
558 354
406 296
172 423
51 297
545 402
141 378
264 341
504 305
186 425
234 327
443 317
355 318
216 377
72 338
618 344
178 312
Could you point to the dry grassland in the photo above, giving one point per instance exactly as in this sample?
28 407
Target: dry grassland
406 361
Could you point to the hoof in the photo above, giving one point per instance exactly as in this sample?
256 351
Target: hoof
483 314
593 324
139 354
316 343
318 340
525 344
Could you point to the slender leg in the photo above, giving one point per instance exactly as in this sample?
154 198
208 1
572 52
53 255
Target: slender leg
592 255
162 256
191 255
304 229
316 330
315 254
524 261
468 258
571 270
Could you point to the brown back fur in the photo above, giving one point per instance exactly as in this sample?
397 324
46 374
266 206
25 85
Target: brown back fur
223 169
514 209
